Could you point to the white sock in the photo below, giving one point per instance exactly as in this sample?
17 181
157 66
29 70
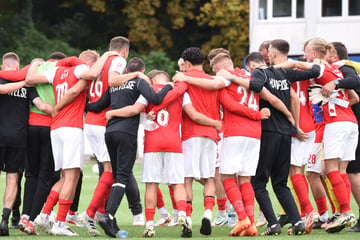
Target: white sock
163 212
149 223
208 214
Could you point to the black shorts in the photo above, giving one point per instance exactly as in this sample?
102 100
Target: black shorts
12 159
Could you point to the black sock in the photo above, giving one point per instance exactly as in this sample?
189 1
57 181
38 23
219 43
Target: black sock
5 215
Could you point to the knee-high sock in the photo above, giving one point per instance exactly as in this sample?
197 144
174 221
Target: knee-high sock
248 196
160 199
51 201
234 195
64 206
301 192
102 190
340 190
347 184
221 202
335 207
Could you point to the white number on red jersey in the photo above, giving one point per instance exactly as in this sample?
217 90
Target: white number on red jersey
300 94
61 90
251 101
96 87
163 118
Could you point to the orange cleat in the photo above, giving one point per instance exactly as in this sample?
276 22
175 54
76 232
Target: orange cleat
240 226
250 231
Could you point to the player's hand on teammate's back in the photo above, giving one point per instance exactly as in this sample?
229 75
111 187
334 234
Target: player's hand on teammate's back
151 116
109 115
179 76
145 77
265 113
301 135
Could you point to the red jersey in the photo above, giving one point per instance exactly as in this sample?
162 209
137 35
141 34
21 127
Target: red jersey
306 120
97 88
72 114
247 124
334 112
166 138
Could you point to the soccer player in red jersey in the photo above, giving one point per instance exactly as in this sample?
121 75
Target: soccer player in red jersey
66 133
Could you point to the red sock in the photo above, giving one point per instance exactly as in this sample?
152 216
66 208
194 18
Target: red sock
160 200
71 212
340 190
301 192
209 202
102 189
307 185
321 205
234 195
347 184
149 214
50 202
181 205
248 196
188 208
221 202
64 206
171 192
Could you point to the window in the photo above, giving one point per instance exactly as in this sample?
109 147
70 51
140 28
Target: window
282 8
262 9
354 7
331 8
300 9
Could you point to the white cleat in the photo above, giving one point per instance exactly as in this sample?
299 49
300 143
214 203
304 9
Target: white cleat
43 223
90 225
60 229
163 220
138 220
149 232
75 219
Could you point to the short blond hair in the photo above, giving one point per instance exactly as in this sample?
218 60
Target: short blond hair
217 51
320 46
89 56
220 58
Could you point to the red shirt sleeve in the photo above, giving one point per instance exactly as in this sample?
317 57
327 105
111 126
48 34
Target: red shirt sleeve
233 106
178 90
15 75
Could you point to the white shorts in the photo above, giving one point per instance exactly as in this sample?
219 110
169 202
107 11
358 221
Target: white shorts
300 151
240 156
314 159
68 147
199 157
340 140
218 150
163 167
95 135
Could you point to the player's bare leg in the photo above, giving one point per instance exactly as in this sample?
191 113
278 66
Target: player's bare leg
150 204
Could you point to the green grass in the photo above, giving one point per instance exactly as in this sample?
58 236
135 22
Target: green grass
124 216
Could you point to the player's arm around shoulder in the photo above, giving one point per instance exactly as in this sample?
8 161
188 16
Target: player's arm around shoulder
11 87
33 76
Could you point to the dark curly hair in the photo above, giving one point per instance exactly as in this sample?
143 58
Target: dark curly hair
193 55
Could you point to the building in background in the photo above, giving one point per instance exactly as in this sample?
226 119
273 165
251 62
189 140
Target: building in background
299 20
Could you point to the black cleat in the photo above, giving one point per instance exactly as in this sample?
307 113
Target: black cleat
356 227
108 223
14 223
4 229
318 224
205 226
274 229
186 230
298 228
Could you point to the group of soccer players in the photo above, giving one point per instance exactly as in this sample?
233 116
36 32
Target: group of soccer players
273 119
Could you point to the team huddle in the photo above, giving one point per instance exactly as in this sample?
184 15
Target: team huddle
276 119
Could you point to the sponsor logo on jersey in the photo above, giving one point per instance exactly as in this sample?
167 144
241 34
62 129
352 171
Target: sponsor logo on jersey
279 84
128 85
22 93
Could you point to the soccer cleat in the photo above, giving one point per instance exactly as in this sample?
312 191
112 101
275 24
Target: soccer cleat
261 220
98 216
274 229
250 231
108 223
149 232
310 219
220 220
23 222
298 228
240 226
89 223
346 219
330 220
186 229
283 220
138 220
30 228
163 220
356 227
60 229
174 222
43 223
318 224
4 228
15 222
205 228
75 220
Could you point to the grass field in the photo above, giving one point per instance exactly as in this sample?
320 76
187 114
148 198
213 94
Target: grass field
124 217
